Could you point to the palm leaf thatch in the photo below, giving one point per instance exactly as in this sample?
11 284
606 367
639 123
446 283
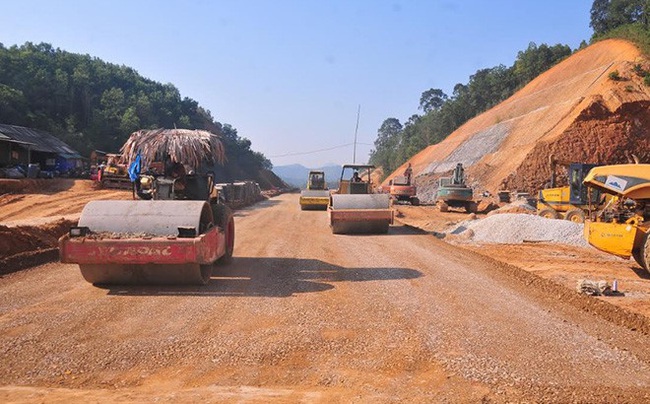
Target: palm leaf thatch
186 146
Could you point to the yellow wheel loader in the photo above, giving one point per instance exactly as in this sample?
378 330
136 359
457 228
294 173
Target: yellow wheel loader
622 226
353 208
316 196
569 202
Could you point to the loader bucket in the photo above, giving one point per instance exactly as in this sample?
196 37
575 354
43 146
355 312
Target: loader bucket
145 242
360 213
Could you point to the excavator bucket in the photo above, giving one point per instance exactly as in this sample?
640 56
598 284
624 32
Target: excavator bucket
145 242
361 213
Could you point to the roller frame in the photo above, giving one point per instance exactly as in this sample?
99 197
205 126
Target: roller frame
133 242
367 213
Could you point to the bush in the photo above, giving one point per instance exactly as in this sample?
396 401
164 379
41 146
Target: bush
615 75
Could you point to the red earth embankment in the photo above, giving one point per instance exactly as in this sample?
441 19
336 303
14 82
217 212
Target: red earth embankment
573 111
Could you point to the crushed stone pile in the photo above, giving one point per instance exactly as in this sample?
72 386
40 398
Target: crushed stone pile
518 206
512 228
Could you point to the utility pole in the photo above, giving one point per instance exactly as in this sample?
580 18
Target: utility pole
354 153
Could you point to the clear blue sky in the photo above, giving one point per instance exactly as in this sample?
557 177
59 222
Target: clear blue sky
289 75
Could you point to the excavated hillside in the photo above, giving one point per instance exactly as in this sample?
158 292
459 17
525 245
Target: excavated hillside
574 111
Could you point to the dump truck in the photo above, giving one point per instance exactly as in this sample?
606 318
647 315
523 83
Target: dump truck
316 196
453 192
354 208
569 202
402 190
174 231
622 226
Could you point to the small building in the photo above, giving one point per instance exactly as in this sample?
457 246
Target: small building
23 146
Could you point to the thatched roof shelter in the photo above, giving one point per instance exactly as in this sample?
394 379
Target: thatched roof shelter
191 147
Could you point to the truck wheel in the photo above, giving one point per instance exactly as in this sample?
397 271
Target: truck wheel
227 223
415 201
641 253
548 213
575 216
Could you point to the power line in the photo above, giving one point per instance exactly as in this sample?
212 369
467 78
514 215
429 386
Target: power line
311 152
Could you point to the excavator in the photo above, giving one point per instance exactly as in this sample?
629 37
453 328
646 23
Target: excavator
316 196
622 226
175 230
403 190
354 208
571 201
454 192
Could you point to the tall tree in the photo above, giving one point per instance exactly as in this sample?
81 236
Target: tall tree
432 99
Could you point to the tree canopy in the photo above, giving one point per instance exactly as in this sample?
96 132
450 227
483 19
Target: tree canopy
94 105
607 15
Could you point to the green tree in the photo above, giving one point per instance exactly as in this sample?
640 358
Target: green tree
609 14
432 99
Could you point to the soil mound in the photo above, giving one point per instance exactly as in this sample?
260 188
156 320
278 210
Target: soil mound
573 111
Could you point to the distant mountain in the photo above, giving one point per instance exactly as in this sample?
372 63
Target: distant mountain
296 174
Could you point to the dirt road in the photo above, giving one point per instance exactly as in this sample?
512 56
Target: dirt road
306 316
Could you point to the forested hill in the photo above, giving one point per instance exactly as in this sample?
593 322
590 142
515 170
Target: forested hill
92 104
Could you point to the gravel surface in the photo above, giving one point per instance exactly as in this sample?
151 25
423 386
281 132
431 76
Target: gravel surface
306 316
513 228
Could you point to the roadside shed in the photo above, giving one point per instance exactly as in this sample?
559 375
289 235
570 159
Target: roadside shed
23 146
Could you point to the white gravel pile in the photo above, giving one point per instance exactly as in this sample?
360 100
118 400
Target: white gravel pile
518 206
512 228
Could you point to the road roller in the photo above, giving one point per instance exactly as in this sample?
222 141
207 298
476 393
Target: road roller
354 208
316 196
175 229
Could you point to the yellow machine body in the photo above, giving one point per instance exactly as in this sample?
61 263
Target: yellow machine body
316 196
622 227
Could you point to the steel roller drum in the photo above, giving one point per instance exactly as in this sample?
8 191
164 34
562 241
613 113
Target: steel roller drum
362 201
144 219
160 218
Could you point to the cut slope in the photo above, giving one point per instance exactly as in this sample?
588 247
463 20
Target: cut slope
573 110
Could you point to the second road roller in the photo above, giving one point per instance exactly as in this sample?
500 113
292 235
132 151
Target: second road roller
354 208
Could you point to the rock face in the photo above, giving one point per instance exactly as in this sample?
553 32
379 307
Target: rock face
574 111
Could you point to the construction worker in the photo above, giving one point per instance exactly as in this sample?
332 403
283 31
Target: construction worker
408 173
355 177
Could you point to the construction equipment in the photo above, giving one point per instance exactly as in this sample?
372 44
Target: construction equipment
114 174
453 192
353 208
177 229
316 196
569 202
402 190
622 226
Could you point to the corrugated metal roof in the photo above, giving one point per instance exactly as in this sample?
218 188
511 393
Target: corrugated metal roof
37 139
